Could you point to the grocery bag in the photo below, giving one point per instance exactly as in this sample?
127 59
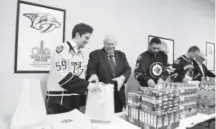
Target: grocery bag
69 120
100 105
3 123
30 112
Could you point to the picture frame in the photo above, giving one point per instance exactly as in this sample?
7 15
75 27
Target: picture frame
169 44
39 29
210 56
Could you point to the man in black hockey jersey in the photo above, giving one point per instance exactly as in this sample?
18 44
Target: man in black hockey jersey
66 81
150 65
184 66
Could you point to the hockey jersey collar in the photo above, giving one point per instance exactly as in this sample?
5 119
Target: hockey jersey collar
187 59
73 46
151 53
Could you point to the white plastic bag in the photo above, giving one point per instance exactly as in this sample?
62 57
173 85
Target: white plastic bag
30 112
70 120
100 105
3 123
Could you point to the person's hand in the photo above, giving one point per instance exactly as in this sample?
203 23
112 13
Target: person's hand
94 87
151 83
120 81
93 78
160 81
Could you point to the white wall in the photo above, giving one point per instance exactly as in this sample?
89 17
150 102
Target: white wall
188 22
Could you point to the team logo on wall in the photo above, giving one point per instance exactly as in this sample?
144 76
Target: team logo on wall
43 22
41 56
39 28
156 69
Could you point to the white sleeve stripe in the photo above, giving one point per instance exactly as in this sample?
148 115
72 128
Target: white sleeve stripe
67 80
196 76
62 94
138 75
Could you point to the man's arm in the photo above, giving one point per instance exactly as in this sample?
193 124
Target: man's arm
165 73
179 70
92 65
208 72
140 72
74 83
127 69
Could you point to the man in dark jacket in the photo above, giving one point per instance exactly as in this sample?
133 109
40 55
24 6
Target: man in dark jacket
150 65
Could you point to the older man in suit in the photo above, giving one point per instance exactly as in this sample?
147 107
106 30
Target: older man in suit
201 71
108 65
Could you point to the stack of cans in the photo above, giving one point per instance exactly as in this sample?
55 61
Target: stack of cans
133 107
160 107
188 99
206 96
156 108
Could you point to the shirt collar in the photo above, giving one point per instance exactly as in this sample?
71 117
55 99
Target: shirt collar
110 54
199 63
151 53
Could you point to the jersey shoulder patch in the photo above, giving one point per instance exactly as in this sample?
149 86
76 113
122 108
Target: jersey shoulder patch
177 61
59 49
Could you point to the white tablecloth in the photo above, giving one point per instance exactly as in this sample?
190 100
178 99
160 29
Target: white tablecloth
4 124
194 120
119 122
190 121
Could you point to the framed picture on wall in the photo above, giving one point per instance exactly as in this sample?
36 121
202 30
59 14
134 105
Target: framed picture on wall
210 56
39 29
167 47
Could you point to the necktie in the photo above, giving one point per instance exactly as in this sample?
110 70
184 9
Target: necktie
112 65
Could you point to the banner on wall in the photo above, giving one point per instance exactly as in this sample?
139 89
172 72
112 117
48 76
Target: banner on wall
167 47
39 30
